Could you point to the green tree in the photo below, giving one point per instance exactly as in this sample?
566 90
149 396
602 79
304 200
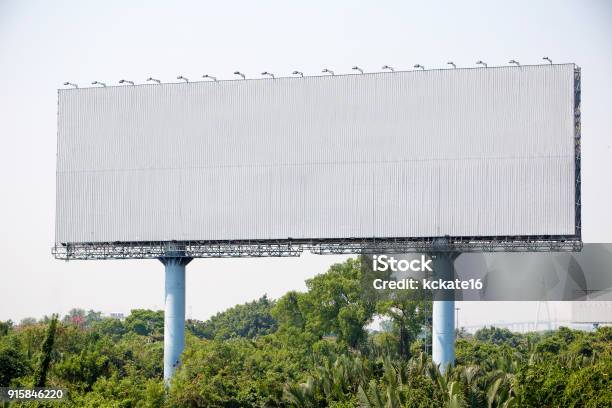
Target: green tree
47 349
145 322
336 303
84 369
287 311
237 372
75 316
13 364
91 317
248 320
5 327
590 386
407 316
498 336
110 327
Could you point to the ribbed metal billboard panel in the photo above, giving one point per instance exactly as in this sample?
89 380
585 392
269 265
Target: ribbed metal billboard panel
462 152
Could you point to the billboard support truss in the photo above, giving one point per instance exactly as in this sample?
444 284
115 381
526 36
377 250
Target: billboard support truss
287 248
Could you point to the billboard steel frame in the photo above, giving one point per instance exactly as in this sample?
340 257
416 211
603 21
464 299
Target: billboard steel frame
286 248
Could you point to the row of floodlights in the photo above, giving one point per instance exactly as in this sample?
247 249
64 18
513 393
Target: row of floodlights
301 74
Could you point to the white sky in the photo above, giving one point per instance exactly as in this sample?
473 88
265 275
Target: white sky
43 44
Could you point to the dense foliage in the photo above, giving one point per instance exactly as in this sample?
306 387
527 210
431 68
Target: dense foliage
311 349
249 321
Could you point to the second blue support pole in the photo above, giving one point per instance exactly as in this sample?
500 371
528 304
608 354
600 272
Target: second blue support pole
443 313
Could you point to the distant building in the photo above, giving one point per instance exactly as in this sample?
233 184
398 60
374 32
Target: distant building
592 312
118 316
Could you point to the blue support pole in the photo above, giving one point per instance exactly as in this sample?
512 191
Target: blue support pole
174 314
443 333
443 313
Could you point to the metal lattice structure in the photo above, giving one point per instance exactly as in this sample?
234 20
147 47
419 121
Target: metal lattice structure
578 153
287 248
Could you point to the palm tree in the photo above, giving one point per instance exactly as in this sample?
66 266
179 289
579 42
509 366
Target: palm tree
302 395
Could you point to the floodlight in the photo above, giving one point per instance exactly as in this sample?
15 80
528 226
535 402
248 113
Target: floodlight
210 76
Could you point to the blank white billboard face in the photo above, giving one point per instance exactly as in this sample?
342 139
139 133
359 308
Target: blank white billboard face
465 152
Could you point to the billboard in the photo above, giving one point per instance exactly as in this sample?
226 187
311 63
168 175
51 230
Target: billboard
465 153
